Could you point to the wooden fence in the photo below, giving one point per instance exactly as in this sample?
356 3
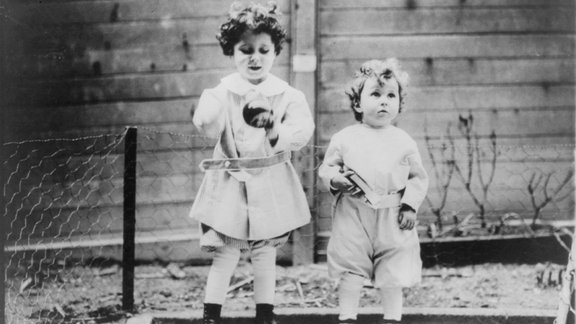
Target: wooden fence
81 68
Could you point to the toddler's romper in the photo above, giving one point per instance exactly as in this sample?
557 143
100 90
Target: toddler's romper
261 205
365 240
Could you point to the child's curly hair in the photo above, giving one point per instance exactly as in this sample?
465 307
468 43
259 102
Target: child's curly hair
254 17
383 71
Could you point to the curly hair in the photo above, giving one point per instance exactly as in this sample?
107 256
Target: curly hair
383 71
254 17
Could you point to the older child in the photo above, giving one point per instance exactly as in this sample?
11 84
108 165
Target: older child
251 197
376 173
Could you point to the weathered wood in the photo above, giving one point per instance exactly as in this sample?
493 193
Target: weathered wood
304 27
346 4
75 39
445 46
63 118
132 87
459 72
66 12
504 122
169 136
465 98
420 21
147 59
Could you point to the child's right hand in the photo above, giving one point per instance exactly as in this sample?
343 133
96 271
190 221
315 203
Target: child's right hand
341 183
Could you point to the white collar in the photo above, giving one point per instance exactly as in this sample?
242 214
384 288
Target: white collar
270 87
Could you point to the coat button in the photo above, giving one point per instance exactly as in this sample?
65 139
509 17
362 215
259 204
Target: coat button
227 164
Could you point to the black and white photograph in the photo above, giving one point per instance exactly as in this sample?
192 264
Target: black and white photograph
288 161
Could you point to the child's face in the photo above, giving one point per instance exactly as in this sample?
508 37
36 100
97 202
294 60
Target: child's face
379 102
254 55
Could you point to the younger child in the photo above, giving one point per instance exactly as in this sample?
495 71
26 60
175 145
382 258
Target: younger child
251 197
373 231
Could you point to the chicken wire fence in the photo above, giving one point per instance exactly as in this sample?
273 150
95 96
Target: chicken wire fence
65 204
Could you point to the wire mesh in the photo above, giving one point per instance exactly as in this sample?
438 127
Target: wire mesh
63 202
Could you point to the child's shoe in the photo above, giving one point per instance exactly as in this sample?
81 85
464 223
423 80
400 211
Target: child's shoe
265 314
212 313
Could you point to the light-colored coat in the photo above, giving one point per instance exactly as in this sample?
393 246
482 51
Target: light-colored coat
252 204
368 241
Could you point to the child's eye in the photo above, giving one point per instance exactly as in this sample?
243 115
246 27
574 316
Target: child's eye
376 94
264 51
391 95
246 51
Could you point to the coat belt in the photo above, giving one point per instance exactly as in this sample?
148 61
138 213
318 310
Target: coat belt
245 163
387 201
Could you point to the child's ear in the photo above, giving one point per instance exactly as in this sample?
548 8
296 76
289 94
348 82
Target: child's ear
357 107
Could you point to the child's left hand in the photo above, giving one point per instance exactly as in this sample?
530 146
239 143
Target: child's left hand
407 218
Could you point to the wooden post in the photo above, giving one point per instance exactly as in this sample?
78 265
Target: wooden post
303 77
129 219
3 106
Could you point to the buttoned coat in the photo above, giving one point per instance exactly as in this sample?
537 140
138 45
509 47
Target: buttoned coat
261 203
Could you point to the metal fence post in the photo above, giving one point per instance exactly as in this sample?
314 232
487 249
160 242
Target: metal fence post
130 143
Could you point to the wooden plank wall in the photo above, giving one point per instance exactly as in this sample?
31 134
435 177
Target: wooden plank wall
81 68
509 63
88 68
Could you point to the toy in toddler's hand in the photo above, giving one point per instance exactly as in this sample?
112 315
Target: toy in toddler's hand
257 112
363 188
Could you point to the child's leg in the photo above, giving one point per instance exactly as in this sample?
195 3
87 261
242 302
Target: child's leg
392 300
349 292
223 265
264 264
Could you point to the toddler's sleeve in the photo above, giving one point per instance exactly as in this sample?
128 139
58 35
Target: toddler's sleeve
297 125
332 163
417 184
209 116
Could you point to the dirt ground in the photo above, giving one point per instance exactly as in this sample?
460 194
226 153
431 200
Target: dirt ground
93 295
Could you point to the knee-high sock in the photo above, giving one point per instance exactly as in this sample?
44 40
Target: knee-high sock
223 265
392 300
349 292
264 264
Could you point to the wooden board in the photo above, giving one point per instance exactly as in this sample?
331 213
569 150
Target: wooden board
445 46
422 21
75 39
94 63
150 86
345 4
460 72
67 12
467 98
504 122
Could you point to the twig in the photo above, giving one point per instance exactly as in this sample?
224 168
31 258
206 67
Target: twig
299 287
535 183
562 244
239 284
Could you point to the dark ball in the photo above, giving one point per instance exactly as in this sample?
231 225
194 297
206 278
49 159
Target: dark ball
256 116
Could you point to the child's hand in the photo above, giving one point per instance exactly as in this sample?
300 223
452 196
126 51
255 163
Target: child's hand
407 218
257 112
341 183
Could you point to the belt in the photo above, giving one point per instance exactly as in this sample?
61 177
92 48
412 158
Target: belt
245 163
387 201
